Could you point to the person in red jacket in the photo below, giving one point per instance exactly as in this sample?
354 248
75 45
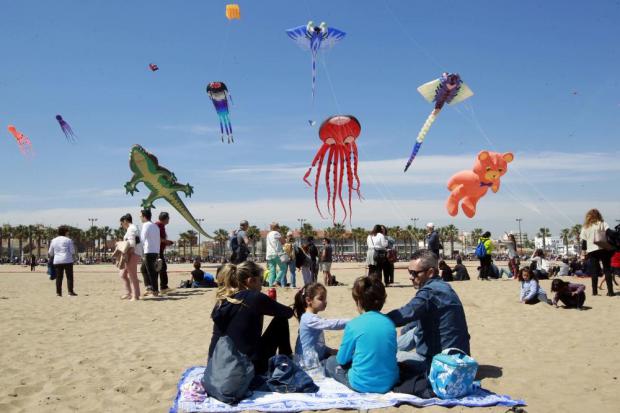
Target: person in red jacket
615 265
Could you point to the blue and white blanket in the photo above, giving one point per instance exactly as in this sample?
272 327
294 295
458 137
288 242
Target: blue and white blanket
191 397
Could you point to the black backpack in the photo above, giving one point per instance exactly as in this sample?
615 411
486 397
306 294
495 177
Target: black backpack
613 237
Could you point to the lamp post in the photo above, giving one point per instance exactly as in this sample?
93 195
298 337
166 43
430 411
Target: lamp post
301 225
92 225
520 239
199 220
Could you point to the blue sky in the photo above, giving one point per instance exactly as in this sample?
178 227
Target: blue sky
544 76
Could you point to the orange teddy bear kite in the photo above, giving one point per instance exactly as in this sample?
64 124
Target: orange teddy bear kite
470 186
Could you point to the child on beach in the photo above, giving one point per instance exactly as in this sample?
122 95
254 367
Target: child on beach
572 295
201 279
366 360
309 301
531 291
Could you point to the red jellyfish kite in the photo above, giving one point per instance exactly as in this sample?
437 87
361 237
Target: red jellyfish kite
25 147
338 134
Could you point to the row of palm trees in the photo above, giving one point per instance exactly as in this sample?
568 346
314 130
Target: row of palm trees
35 239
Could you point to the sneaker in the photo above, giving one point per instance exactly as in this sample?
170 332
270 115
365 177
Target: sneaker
58 295
165 290
72 294
147 293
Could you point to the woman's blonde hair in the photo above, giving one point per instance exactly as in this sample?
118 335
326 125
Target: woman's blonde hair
593 216
233 278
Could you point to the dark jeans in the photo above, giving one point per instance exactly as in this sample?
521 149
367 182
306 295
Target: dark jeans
275 339
60 270
148 271
386 268
163 273
534 300
485 267
337 372
594 261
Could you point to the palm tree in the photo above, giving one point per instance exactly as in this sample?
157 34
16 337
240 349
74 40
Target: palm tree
39 233
7 231
450 232
106 232
476 233
253 234
192 237
544 233
221 237
119 233
575 232
307 231
20 232
90 237
340 232
565 235
395 232
359 235
283 231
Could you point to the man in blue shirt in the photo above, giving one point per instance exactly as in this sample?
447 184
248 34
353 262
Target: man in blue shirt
432 239
435 313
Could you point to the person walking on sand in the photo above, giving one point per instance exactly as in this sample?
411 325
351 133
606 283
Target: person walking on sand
594 255
150 237
432 239
326 261
486 260
274 251
33 262
129 274
164 219
62 252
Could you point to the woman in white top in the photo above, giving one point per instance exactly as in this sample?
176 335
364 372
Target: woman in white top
594 255
129 274
376 257
62 252
274 254
542 265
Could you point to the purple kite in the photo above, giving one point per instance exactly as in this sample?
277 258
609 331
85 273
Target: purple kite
66 129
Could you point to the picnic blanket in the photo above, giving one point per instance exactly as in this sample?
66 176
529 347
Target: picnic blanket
191 397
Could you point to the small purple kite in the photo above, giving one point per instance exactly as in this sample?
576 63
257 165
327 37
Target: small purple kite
66 129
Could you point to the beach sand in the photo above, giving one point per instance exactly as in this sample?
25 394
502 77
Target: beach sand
96 353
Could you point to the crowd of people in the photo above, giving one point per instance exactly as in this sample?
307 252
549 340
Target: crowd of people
371 356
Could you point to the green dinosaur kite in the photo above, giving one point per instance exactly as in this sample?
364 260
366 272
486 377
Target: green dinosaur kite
161 182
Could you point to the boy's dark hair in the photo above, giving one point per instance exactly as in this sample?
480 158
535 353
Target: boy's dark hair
487 234
369 293
146 213
163 216
327 240
127 218
63 230
197 264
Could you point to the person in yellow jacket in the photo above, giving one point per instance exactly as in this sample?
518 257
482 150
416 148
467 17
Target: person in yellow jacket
289 249
486 269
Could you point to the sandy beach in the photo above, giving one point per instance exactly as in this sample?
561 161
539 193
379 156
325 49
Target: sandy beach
96 353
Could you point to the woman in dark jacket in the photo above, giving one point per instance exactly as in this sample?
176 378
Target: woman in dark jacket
239 311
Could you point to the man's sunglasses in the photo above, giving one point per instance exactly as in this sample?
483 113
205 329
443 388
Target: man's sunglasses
414 273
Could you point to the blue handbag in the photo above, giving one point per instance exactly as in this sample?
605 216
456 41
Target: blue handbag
453 375
51 271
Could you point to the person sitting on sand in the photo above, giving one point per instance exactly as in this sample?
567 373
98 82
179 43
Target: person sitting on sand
436 309
572 295
309 301
366 360
460 271
531 291
201 279
239 312
446 271
540 265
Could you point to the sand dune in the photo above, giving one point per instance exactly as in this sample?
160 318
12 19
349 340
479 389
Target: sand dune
96 353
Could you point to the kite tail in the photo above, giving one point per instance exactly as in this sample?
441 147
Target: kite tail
313 75
421 135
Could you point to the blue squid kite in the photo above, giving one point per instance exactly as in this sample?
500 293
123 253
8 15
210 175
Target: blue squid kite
315 38
450 89
218 92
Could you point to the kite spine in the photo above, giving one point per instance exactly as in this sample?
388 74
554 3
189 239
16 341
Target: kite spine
421 135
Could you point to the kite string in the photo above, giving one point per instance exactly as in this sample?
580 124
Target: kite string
224 50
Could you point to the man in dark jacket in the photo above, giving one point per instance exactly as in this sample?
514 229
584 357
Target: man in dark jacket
435 313
432 239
